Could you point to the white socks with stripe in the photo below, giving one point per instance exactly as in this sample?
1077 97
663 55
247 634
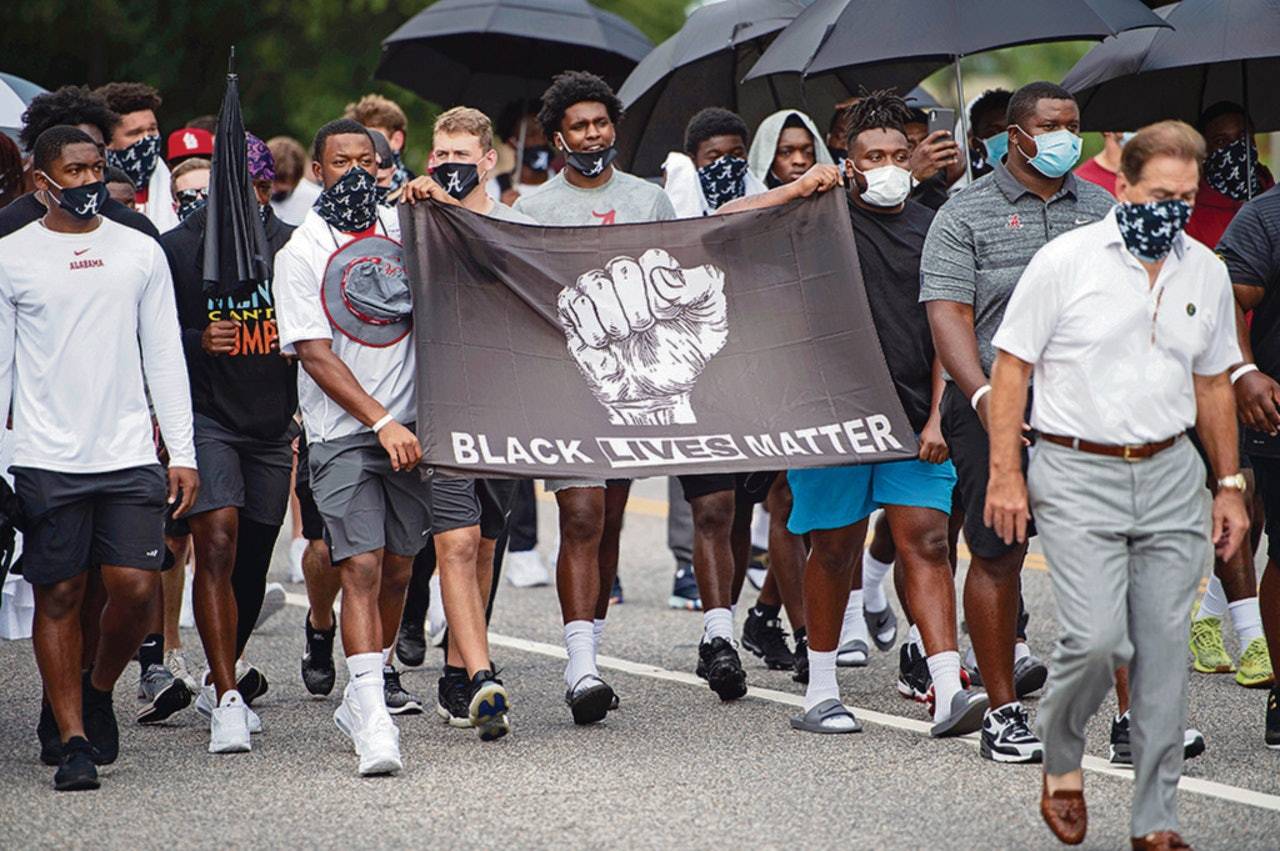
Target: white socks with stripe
944 667
874 572
580 643
1246 617
717 623
365 671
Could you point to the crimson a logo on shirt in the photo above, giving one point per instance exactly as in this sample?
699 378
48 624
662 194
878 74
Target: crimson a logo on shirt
606 218
88 263
1015 222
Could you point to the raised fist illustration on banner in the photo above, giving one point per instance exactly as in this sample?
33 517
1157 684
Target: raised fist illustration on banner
642 332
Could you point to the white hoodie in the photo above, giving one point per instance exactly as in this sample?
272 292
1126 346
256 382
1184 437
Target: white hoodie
765 144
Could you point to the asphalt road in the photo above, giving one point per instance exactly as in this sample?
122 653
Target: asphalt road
673 768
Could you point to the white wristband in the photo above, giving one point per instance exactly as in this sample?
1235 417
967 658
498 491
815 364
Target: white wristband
978 394
1243 371
382 423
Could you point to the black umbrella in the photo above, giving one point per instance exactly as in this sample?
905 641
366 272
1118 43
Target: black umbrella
902 42
236 252
488 53
1218 50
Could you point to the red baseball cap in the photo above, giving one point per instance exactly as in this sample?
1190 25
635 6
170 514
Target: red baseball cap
189 142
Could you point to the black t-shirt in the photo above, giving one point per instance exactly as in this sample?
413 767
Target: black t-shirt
254 391
932 192
889 248
28 209
1251 249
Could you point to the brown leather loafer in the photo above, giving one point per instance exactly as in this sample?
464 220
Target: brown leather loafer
1065 813
1160 840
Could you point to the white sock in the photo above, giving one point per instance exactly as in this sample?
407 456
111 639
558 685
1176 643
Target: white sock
873 573
760 528
822 679
386 655
579 641
944 667
718 623
1214 602
1246 617
597 633
365 671
733 611
1021 651
855 626
913 636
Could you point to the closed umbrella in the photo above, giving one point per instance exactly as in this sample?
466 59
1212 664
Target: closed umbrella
16 95
901 43
237 255
488 53
1218 50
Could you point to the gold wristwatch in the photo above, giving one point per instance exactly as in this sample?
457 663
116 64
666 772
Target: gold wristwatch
1236 482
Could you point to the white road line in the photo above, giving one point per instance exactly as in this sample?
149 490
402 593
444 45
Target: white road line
1196 785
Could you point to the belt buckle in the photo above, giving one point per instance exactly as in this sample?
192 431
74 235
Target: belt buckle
1129 456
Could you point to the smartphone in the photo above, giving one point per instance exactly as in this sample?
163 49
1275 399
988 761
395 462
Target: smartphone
942 119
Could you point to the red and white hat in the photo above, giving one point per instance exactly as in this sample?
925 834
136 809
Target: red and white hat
189 142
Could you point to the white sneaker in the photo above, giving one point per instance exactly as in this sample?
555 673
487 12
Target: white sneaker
525 569
229 725
207 702
272 602
296 548
376 739
177 665
436 622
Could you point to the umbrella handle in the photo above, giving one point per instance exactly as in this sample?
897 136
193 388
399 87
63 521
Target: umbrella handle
964 121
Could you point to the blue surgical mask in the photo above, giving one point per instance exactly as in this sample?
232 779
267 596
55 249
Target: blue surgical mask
1125 137
1056 153
997 146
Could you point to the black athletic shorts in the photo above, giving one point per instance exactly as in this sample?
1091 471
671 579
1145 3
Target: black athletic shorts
458 502
970 453
243 472
1266 476
79 520
748 488
312 522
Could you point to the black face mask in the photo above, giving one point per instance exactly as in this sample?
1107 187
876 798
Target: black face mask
458 179
190 200
351 204
592 164
83 202
537 157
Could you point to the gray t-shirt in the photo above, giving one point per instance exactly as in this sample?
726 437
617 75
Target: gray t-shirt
504 213
985 235
624 199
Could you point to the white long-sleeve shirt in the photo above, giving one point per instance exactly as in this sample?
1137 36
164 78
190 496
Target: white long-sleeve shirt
81 317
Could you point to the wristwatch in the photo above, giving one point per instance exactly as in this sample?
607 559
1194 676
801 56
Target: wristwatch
1236 482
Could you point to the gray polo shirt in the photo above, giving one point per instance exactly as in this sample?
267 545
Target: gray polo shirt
986 234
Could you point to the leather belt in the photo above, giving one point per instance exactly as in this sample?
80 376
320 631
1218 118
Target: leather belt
1130 453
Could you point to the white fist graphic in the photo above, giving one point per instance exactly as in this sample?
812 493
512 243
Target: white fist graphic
642 332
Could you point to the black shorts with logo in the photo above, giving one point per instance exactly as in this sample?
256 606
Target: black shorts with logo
79 520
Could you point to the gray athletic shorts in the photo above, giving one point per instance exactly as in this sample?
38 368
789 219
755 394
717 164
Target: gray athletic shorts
78 520
243 472
366 505
458 502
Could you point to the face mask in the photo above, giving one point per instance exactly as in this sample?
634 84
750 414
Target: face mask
1149 229
351 204
190 200
887 186
83 202
1227 170
1125 137
723 180
590 164
382 192
138 160
996 146
458 179
1056 152
537 158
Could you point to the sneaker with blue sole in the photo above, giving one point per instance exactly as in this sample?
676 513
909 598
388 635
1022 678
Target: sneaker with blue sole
684 589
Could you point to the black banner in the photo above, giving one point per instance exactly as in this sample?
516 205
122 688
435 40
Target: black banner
723 344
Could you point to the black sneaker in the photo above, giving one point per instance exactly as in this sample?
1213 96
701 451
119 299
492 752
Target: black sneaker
76 771
1007 736
488 706
1029 675
1273 718
252 684
1122 751
802 658
399 701
765 637
50 738
411 643
100 724
318 673
723 669
165 694
453 697
914 679
589 700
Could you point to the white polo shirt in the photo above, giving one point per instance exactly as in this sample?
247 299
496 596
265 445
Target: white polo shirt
1114 356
